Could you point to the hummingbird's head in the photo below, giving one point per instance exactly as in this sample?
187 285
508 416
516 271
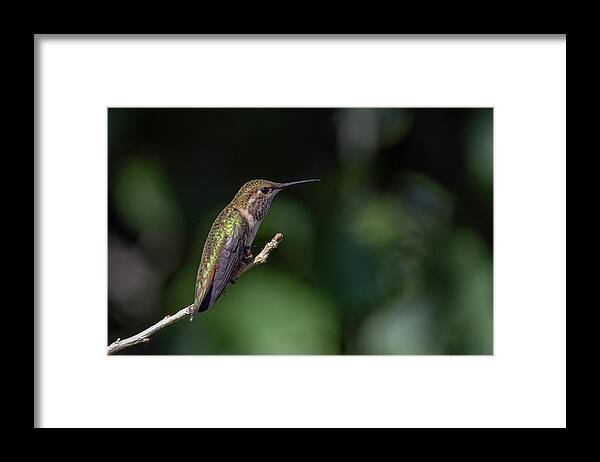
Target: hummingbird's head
256 195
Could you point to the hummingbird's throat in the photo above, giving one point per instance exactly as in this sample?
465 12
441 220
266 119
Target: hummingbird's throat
258 207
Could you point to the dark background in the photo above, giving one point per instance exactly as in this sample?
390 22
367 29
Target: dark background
390 254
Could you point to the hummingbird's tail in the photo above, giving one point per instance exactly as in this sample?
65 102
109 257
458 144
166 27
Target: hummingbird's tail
201 305
193 312
195 309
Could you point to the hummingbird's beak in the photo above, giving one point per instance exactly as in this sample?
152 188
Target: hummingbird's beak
285 185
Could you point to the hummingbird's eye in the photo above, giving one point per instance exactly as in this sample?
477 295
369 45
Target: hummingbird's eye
264 190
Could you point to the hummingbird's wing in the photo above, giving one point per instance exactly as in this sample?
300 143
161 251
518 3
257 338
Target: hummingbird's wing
231 254
223 252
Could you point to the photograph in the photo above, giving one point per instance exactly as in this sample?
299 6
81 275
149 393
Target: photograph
300 231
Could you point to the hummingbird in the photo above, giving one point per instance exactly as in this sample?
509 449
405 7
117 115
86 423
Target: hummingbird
230 238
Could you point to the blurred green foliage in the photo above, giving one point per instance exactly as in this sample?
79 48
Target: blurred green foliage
391 254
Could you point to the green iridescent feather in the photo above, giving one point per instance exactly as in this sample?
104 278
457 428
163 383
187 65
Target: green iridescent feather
223 251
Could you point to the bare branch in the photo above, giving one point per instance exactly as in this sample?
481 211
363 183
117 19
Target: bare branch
144 336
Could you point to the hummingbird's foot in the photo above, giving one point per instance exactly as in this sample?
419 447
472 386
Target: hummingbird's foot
248 257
